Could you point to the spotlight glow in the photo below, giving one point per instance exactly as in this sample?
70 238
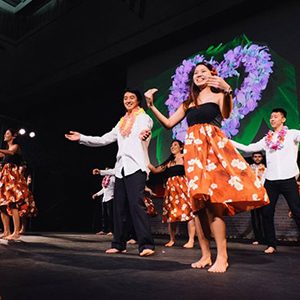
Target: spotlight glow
22 131
32 134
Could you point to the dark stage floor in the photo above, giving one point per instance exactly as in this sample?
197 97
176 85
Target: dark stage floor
74 266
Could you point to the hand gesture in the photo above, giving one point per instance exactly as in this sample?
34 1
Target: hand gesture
149 96
73 136
96 172
145 134
218 83
94 196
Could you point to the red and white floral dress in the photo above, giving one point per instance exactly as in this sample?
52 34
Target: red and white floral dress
215 170
177 206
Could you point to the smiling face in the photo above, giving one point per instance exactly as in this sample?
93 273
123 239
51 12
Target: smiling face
130 101
175 148
277 120
8 136
200 75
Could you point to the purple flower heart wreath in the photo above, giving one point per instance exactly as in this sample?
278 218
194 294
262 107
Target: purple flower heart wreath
257 64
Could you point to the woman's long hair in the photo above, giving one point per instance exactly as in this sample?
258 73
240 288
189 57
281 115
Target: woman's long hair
194 89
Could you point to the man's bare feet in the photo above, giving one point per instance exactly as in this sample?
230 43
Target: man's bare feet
220 265
101 233
255 243
270 250
147 252
109 234
170 244
202 263
189 245
114 251
131 242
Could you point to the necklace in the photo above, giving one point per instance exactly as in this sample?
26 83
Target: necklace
127 121
278 144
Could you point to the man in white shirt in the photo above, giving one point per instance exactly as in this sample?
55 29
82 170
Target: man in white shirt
108 186
281 148
132 133
256 214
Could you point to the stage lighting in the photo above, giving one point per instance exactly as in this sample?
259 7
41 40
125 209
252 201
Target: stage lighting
22 131
32 134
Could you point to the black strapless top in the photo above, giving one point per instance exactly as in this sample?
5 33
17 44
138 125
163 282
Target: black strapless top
177 170
205 113
15 159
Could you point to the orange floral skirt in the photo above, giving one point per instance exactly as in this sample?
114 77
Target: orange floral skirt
14 190
217 172
177 206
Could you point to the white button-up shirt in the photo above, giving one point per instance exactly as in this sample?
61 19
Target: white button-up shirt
107 192
281 164
133 152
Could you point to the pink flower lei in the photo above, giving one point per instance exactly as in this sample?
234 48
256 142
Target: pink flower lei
278 144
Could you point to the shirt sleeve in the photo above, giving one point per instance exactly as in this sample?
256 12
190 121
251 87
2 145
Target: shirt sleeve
107 172
258 146
98 141
296 135
101 192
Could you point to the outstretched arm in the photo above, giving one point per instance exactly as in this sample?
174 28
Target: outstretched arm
259 146
166 122
156 170
93 141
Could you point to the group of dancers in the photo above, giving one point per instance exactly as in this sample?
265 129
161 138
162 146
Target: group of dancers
16 198
209 180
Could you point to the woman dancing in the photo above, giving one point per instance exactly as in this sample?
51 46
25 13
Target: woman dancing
220 181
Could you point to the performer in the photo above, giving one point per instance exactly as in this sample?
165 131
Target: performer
256 214
108 185
28 209
281 147
177 206
220 181
13 190
132 134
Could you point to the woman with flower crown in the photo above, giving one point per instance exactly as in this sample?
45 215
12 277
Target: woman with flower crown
220 181
132 133
281 147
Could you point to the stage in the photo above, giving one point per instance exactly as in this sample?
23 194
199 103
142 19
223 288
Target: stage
74 266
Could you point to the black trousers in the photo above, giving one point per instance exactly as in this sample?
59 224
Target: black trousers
130 210
288 188
107 216
257 225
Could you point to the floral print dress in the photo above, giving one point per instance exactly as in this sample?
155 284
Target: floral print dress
215 170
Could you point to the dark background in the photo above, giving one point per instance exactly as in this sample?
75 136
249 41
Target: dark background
64 65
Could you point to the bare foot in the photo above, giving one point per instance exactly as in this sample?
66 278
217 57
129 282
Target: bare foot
270 250
114 251
220 265
147 252
202 263
4 235
170 244
12 237
255 243
189 245
131 241
109 234
101 233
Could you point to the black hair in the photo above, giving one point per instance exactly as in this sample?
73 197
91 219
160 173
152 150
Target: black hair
280 110
257 152
171 157
136 92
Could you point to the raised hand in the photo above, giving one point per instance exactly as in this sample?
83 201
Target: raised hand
149 96
73 136
217 82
